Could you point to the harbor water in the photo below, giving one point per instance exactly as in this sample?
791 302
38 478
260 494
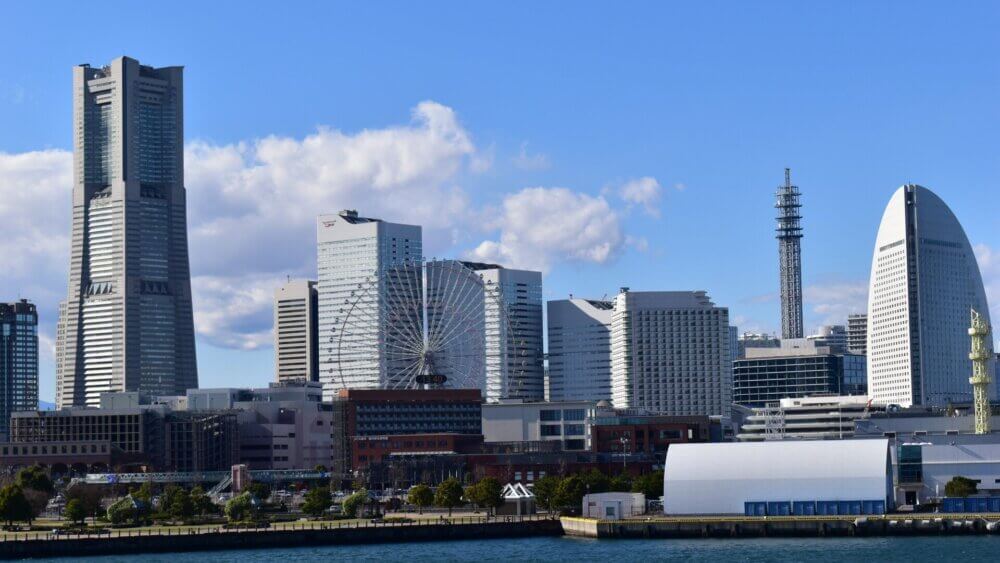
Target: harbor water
813 550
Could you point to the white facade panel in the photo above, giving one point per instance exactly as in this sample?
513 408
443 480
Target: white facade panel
718 478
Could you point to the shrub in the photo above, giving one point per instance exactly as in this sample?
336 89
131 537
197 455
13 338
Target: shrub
354 502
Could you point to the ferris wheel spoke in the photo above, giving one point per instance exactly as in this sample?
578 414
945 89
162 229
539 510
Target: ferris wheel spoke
403 308
466 308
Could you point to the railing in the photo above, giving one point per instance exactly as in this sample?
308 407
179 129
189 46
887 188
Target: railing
274 527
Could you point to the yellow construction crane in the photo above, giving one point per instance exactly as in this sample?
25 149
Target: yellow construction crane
980 380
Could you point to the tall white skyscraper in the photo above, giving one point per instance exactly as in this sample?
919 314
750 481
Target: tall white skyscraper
127 324
356 253
670 353
579 349
924 282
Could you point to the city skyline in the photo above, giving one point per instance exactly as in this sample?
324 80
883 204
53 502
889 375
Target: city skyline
643 212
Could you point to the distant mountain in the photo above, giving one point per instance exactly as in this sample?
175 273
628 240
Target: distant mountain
46 406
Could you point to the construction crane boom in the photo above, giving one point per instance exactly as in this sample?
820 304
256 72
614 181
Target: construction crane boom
979 331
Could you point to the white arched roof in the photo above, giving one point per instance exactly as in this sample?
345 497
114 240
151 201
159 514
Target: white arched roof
718 478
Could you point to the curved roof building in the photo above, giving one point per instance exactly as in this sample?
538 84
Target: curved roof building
924 281
714 478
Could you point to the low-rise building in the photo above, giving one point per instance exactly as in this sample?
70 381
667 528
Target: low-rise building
779 478
517 421
806 418
799 368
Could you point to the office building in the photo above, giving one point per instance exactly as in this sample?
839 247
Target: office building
833 337
790 257
800 368
296 342
636 434
18 360
517 295
365 414
129 432
564 423
357 259
670 353
127 322
579 349
857 334
924 282
806 418
755 340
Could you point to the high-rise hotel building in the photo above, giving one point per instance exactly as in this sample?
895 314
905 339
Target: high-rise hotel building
924 282
126 324
670 353
354 253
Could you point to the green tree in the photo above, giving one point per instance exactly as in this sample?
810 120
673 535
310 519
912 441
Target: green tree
260 490
75 512
317 501
89 495
487 493
569 494
595 481
545 491
240 507
181 506
620 483
167 497
202 503
650 484
13 505
354 502
144 494
960 487
35 478
420 496
448 494
122 512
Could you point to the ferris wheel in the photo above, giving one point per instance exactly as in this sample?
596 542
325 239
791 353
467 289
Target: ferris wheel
427 325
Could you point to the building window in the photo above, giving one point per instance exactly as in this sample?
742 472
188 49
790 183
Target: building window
574 414
911 464
551 430
550 415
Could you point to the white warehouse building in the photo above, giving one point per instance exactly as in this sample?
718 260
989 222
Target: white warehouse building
779 478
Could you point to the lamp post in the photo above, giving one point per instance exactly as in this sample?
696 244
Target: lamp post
624 442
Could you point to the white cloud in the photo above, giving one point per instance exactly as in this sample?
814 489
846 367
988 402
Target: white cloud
832 302
645 191
529 162
252 210
541 226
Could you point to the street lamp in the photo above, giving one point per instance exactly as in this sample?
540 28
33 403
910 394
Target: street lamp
624 442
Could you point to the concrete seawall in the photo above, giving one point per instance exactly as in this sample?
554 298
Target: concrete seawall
273 539
732 527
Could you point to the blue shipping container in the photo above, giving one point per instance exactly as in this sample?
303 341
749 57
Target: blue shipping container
779 508
827 507
873 507
953 505
993 504
805 508
755 508
978 504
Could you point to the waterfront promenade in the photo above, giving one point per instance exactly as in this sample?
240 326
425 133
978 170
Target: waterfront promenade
17 545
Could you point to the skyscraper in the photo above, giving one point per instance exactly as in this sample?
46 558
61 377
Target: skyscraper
517 295
580 349
127 324
354 256
295 332
18 361
924 282
790 257
670 353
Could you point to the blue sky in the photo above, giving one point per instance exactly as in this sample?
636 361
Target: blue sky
702 103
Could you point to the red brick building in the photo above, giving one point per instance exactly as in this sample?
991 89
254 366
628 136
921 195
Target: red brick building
368 449
646 434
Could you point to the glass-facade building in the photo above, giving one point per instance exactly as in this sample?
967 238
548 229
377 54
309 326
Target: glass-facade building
18 360
758 381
